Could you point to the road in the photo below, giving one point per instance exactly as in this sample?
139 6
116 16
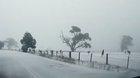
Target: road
23 65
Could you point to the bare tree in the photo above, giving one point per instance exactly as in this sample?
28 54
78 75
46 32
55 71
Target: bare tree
126 42
77 40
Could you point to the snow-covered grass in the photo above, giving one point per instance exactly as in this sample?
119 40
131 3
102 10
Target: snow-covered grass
115 58
23 65
40 67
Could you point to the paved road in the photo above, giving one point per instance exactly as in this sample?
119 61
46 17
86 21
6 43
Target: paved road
24 65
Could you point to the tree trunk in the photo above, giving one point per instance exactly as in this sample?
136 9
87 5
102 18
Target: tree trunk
72 50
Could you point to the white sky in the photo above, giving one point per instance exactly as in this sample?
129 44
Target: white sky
105 20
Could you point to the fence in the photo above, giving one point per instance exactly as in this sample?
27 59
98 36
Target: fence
116 61
109 61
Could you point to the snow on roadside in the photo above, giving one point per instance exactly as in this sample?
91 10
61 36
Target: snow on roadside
48 67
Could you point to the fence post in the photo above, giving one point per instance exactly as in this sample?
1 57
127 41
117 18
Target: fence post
91 57
52 53
107 58
79 56
61 53
128 62
70 54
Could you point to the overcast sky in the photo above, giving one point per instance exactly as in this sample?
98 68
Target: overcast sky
105 20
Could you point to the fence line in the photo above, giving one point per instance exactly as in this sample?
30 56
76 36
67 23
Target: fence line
77 55
91 58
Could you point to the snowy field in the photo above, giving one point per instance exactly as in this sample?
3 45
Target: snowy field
24 65
115 58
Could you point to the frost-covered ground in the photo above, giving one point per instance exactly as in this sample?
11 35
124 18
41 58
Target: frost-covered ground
23 65
115 58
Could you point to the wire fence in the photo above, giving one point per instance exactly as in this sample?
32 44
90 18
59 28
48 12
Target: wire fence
111 61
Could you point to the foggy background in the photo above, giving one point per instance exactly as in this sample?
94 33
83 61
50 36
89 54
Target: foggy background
105 20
